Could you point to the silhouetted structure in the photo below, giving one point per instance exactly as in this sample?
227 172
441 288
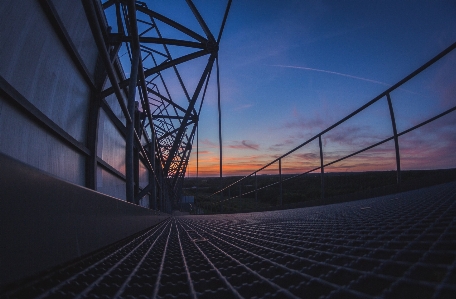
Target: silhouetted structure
89 176
74 108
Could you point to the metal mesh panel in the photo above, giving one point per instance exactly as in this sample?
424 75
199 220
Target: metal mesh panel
395 246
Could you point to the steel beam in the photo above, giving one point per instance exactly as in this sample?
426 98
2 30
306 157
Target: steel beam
201 21
171 23
26 107
100 41
92 142
172 144
66 41
180 132
166 99
129 140
157 69
118 38
110 169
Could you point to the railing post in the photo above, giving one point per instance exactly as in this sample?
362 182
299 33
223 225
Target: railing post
221 191
396 140
280 182
256 188
322 170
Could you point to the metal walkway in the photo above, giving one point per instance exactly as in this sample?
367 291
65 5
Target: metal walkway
399 246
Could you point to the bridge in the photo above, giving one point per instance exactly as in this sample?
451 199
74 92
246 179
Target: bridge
98 126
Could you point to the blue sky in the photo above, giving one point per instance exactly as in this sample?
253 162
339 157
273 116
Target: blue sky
289 69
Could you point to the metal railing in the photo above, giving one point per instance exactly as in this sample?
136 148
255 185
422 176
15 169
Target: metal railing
217 197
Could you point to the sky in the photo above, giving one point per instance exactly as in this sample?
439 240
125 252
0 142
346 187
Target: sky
290 69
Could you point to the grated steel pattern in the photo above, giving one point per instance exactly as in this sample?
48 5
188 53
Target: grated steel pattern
398 246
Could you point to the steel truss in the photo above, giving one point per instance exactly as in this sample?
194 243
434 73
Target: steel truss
159 130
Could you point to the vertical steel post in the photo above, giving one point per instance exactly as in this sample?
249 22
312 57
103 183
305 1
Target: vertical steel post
137 125
219 128
280 182
396 140
92 141
151 173
256 188
322 170
197 163
129 148
221 191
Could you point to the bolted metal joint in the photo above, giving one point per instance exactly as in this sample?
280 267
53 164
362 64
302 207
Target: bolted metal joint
212 47
195 118
116 38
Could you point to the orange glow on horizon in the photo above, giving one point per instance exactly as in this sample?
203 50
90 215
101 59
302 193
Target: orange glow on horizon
380 159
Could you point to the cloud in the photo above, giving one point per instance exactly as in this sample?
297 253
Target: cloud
279 146
244 144
358 136
307 156
232 165
209 143
250 145
429 147
331 72
202 152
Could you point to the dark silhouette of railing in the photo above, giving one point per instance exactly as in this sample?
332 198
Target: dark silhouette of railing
217 198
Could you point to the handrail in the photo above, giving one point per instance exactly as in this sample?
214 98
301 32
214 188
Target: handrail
360 109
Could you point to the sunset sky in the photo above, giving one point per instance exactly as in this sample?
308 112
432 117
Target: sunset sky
290 69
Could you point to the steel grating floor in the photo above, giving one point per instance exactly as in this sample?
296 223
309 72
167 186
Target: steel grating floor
399 246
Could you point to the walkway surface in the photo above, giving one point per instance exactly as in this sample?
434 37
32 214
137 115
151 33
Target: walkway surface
399 246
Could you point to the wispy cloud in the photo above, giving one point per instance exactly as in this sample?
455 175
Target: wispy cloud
250 145
244 144
209 143
307 124
281 145
331 72
203 152
429 147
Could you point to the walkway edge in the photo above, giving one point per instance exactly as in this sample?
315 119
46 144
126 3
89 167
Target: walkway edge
45 221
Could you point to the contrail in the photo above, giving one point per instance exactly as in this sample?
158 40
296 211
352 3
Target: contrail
331 72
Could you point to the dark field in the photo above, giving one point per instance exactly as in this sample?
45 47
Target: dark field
305 190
